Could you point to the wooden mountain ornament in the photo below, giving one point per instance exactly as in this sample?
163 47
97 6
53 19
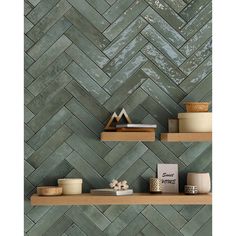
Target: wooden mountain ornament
115 119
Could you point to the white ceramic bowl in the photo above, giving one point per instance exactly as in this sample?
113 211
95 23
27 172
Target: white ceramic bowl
70 186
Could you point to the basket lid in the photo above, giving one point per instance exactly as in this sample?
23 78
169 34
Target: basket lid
196 103
201 115
70 181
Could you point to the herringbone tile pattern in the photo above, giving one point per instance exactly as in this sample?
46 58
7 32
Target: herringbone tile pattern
85 59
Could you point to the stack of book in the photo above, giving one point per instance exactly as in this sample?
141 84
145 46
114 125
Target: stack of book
135 127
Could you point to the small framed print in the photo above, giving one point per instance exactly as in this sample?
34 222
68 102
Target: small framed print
169 175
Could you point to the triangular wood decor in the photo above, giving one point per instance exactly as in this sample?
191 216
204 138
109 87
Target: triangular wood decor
117 118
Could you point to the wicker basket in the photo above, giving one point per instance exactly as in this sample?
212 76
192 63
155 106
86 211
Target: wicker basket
197 106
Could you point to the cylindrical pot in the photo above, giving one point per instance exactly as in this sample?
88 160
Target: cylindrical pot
201 180
190 189
70 186
155 185
195 122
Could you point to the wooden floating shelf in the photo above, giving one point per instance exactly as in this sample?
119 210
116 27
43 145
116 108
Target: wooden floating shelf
186 137
135 199
128 136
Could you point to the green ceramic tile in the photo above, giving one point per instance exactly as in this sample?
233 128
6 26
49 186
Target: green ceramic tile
125 19
87 46
161 43
165 101
114 211
125 55
49 147
163 81
163 63
74 230
123 75
49 128
197 22
88 136
167 13
193 8
83 25
28 115
59 226
176 5
123 220
96 216
118 151
125 37
122 93
197 40
49 38
197 58
83 222
41 100
49 219
47 166
50 74
81 112
119 168
117 9
28 169
87 65
87 82
197 75
56 103
100 5
159 221
159 24
90 13
87 101
88 154
90 174
149 229
40 10
134 226
176 219
49 20
197 221
48 57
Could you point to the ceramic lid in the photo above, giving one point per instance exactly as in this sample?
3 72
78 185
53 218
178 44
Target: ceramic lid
70 181
192 115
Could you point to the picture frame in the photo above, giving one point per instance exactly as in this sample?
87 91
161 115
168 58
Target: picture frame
169 175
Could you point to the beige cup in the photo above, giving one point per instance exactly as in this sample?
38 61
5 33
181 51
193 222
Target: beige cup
70 186
201 180
195 122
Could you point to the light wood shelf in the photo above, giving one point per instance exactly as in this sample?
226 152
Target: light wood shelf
186 137
135 199
128 136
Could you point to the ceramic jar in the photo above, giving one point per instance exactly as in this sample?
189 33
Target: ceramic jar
191 122
201 180
155 185
70 186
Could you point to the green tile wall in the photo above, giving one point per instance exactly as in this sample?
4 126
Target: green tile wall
85 59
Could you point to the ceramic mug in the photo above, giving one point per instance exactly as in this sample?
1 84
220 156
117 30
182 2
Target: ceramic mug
201 180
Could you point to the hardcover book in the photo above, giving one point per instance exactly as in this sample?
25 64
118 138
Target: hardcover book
135 126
